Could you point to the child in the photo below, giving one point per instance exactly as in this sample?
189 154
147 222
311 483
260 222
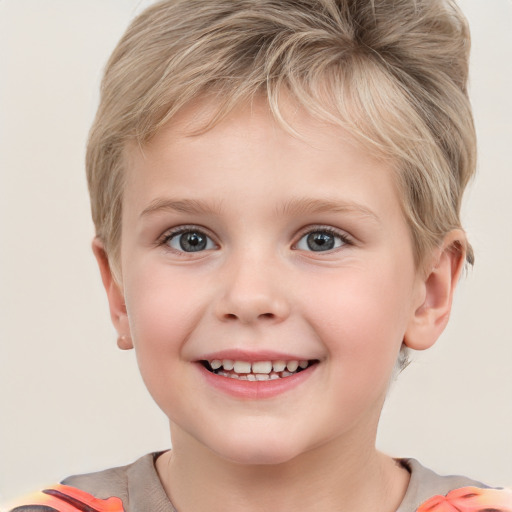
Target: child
276 190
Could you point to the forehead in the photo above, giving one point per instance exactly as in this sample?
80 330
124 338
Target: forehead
288 115
301 156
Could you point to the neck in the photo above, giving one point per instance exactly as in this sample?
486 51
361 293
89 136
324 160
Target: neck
334 477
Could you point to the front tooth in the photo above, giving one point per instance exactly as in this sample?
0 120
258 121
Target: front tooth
279 366
216 364
228 364
262 376
292 366
274 376
262 367
251 376
242 367
302 364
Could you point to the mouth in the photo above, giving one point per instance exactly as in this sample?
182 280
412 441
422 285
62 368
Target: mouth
258 370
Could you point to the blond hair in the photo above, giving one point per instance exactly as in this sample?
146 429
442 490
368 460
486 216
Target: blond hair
393 72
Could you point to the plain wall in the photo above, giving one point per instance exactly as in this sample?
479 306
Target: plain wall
70 402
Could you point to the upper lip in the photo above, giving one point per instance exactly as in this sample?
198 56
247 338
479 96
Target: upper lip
253 356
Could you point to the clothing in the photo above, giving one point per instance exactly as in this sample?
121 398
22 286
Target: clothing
137 488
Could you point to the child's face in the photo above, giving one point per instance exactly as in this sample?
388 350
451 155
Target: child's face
247 244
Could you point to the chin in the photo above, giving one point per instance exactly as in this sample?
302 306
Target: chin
249 451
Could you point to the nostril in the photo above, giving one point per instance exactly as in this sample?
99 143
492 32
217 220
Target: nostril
232 316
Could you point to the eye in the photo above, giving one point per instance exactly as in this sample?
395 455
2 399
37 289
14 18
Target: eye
189 240
321 240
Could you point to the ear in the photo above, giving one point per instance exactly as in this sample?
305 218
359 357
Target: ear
115 296
436 291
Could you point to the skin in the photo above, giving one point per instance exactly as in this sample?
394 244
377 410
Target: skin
258 287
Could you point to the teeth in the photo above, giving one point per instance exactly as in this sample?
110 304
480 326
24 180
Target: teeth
292 366
242 367
259 370
216 364
279 366
228 364
262 367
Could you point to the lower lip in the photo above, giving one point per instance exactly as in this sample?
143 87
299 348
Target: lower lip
256 390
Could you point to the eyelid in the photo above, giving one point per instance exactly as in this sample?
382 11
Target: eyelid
343 235
346 238
184 228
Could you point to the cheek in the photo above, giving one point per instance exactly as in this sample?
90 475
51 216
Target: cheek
161 309
360 314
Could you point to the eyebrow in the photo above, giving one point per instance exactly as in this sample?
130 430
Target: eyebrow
190 206
307 205
295 206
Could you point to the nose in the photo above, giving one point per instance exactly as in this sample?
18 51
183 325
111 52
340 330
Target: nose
252 290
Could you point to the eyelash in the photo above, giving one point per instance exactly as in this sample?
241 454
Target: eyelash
345 239
169 235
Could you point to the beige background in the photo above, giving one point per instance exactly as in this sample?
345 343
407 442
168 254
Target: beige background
70 402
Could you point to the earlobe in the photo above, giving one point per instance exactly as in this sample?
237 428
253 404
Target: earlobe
124 342
429 319
115 296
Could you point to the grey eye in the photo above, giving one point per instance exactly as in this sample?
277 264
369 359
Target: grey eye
190 241
319 241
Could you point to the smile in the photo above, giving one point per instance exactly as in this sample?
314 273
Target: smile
256 371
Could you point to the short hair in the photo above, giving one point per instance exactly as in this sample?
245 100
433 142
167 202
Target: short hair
392 72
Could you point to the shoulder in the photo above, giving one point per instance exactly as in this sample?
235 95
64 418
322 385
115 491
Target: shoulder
64 498
431 492
110 490
470 499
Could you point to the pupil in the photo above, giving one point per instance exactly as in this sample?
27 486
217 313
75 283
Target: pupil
320 241
191 242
